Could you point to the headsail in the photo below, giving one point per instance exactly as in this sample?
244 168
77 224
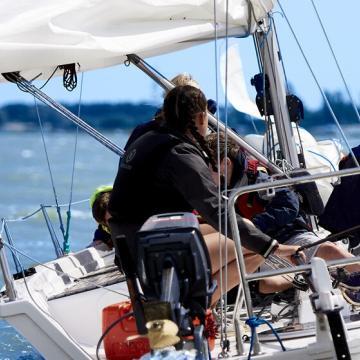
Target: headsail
236 87
38 35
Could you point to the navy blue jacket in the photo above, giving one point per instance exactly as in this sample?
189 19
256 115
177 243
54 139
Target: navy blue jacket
282 217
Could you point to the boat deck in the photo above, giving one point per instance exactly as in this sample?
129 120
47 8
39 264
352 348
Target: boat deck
101 278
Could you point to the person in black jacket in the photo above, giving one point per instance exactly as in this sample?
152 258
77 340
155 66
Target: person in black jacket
342 210
179 80
167 170
279 216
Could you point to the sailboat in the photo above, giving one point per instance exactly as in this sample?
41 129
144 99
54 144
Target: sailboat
58 305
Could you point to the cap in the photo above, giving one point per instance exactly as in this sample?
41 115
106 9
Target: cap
99 190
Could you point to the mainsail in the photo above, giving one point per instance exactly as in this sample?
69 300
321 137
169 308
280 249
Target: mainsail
38 35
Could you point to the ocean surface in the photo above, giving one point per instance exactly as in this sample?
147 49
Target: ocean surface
25 183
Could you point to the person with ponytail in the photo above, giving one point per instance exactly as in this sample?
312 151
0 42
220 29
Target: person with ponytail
168 170
179 80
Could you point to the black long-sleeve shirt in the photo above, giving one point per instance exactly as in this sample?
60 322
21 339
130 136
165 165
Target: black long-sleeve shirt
163 172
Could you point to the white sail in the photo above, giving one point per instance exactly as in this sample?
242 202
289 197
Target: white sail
41 34
237 92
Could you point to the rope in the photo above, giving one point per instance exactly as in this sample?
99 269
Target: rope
69 76
50 77
66 244
253 323
336 62
26 217
225 342
323 157
319 87
49 168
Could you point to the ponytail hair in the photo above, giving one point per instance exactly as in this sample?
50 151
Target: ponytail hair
181 105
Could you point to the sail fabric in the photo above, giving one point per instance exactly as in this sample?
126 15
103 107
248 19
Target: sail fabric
38 35
232 77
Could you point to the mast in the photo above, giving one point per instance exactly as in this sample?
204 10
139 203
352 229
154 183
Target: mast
271 64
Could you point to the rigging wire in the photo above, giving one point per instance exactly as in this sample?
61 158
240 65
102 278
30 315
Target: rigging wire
225 344
319 87
66 245
26 86
221 285
280 56
336 61
50 171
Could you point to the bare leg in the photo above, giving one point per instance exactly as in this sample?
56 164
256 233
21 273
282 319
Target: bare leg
233 279
212 243
331 251
207 229
252 262
274 284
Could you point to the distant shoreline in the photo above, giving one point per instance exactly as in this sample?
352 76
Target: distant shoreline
22 117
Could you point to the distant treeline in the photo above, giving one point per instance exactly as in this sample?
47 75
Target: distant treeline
127 116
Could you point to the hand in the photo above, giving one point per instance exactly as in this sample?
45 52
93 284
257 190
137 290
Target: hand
287 252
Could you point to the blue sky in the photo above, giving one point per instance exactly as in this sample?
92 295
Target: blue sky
122 83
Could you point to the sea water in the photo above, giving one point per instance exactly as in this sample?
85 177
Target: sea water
27 180
25 183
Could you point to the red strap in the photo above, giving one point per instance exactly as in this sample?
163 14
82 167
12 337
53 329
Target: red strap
248 206
252 166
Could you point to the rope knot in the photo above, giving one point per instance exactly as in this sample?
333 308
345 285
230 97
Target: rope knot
253 322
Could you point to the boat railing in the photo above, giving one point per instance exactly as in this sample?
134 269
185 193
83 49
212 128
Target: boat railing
244 296
43 209
8 279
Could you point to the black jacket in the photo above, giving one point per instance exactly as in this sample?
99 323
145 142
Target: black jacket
342 211
164 172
